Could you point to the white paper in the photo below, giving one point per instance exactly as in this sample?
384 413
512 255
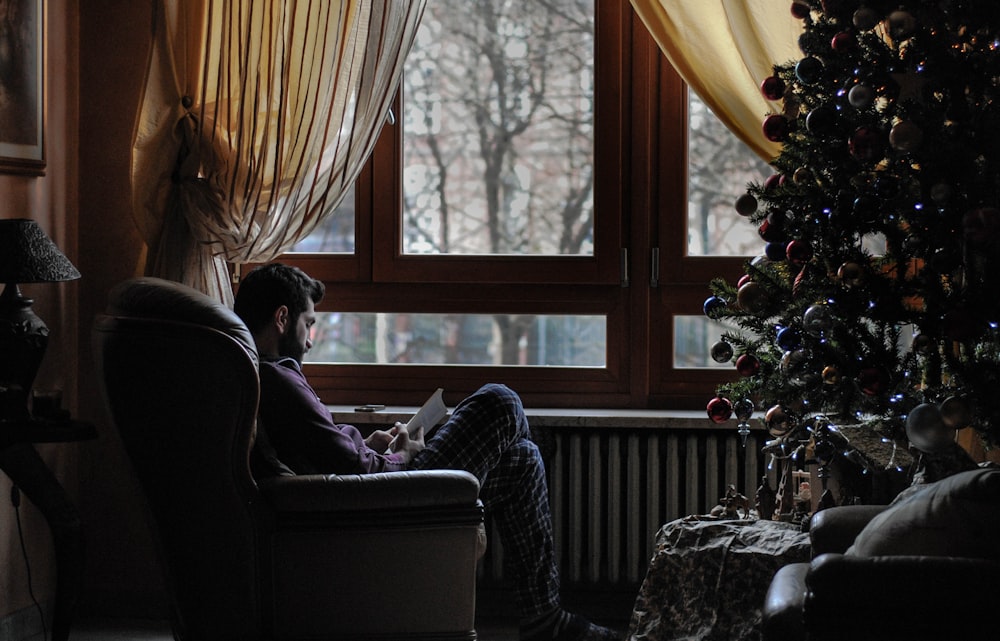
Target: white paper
429 414
432 411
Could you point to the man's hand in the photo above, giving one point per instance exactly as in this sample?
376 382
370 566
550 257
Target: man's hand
379 440
405 442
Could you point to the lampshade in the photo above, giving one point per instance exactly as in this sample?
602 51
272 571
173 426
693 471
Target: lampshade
27 255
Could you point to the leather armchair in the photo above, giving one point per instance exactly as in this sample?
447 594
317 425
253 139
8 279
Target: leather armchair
924 568
388 556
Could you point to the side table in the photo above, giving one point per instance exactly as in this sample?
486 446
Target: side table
20 461
707 578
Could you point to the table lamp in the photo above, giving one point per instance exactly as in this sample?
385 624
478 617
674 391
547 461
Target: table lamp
27 255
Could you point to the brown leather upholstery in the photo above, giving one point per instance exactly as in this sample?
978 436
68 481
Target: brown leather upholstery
377 556
846 592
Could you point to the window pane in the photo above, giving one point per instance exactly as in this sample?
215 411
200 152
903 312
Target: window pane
459 339
335 234
719 168
498 129
693 340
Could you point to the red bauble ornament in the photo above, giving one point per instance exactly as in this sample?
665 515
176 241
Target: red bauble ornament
771 231
866 144
873 380
799 252
906 136
720 409
747 365
776 128
800 10
773 88
843 42
773 182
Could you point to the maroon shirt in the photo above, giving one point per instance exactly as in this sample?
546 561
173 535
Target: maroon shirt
303 433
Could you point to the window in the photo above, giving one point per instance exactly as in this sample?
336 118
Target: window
509 223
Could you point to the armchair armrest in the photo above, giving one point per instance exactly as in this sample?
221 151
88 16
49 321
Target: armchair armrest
361 492
834 529
900 597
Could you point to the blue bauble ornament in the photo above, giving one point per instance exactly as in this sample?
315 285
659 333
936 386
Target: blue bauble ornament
713 306
788 339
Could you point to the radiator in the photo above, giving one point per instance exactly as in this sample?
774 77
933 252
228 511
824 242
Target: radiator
611 490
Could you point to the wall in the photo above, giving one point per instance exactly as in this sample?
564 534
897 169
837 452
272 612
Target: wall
97 51
122 577
51 201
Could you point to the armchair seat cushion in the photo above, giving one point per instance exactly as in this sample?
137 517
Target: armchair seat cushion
912 598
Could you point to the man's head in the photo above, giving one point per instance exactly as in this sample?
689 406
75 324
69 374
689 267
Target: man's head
277 303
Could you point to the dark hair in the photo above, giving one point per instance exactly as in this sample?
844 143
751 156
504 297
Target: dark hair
268 287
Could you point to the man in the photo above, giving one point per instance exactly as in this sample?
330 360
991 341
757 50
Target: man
486 435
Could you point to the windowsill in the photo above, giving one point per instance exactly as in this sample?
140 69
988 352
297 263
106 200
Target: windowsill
548 417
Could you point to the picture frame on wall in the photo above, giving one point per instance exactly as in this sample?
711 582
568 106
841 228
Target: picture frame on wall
22 87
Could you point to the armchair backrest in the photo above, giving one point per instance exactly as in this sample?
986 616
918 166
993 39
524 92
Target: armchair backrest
179 376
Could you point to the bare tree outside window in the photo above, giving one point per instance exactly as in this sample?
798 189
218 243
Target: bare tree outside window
719 168
458 339
498 124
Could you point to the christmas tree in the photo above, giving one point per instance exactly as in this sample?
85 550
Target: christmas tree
876 299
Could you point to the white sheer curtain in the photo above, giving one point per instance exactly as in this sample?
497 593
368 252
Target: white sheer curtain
256 118
723 49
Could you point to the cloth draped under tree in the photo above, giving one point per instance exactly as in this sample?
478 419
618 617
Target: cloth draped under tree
723 50
256 118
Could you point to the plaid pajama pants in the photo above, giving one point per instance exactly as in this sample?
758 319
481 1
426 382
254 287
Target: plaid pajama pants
488 436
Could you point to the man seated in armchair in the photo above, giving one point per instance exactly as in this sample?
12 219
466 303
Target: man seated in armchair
487 435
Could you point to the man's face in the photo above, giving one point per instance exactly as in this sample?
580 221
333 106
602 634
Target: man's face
297 339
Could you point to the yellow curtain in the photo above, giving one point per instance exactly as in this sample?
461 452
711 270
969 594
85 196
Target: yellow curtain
257 116
723 49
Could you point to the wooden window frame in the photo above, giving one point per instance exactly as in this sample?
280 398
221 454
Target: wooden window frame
640 171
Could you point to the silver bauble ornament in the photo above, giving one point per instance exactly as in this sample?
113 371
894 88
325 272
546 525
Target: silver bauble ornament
818 319
926 429
721 352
